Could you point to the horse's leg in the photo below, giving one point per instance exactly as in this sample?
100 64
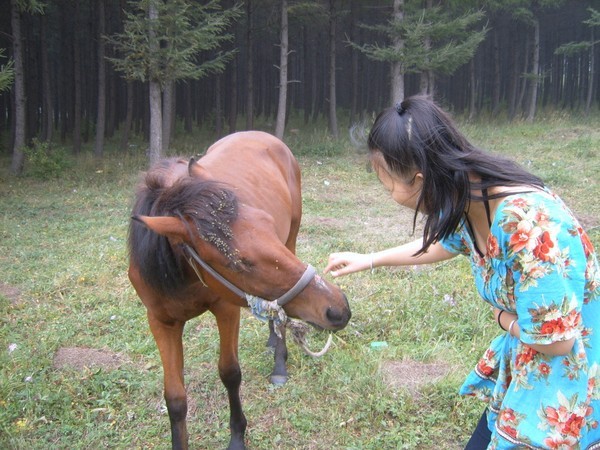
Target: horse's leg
228 321
168 337
279 375
272 341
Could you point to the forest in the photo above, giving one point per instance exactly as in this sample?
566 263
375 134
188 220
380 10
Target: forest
85 71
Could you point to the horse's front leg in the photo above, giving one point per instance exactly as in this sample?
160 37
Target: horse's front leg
228 321
279 375
168 337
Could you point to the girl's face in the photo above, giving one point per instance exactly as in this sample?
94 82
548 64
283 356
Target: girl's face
405 192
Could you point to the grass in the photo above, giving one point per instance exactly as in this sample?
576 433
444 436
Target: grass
63 284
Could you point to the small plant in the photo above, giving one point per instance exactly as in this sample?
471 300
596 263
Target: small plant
44 161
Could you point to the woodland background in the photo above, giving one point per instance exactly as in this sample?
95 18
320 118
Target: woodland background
225 66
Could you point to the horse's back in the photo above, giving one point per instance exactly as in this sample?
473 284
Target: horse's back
260 167
254 155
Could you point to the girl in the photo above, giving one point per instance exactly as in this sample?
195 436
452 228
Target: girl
531 261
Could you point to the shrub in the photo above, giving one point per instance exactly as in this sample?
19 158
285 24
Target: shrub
45 162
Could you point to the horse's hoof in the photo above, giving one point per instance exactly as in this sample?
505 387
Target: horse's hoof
278 380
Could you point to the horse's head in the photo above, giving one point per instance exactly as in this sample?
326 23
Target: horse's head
241 244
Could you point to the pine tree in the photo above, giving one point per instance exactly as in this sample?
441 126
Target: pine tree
162 42
433 40
16 8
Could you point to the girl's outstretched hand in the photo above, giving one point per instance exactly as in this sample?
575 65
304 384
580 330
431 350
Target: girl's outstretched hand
344 263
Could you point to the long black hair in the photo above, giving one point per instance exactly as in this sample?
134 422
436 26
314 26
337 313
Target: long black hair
418 136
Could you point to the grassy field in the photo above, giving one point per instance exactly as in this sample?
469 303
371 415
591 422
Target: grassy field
63 288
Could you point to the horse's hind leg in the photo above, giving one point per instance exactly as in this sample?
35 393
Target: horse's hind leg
279 375
228 321
168 337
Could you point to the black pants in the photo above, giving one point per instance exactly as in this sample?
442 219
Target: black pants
481 436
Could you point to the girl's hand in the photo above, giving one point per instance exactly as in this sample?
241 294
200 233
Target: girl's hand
344 263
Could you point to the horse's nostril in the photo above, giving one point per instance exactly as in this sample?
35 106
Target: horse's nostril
337 317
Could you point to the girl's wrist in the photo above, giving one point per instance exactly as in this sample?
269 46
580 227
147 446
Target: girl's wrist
499 321
510 327
372 262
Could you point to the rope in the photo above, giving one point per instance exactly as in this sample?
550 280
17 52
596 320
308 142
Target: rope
299 331
270 310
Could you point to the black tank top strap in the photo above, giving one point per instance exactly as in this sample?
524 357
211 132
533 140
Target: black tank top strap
486 199
486 204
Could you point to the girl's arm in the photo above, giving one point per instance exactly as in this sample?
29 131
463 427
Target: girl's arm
344 263
560 348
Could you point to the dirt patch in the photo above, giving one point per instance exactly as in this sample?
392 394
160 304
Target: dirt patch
82 357
10 292
412 375
588 221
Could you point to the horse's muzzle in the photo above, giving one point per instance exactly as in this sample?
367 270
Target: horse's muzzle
338 317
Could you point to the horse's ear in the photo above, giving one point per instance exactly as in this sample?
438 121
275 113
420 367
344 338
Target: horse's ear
197 171
171 227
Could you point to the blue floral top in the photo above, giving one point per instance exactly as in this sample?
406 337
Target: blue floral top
540 265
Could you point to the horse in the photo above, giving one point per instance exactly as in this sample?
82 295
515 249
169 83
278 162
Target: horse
205 234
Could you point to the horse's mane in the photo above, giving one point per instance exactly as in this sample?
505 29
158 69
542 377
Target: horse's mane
209 207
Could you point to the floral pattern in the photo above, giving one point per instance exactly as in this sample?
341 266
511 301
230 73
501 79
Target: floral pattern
541 265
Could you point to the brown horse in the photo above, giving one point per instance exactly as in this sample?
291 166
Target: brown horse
205 231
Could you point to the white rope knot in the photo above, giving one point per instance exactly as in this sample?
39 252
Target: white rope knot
266 310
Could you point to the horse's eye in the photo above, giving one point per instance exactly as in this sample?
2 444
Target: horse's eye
240 265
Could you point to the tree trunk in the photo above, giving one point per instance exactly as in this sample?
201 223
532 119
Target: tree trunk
307 84
426 76
155 150
233 96
333 126
397 69
128 117
48 122
353 63
101 113
249 68
187 119
497 78
591 75
77 88
18 154
472 89
523 81
112 104
168 104
283 70
218 107
534 71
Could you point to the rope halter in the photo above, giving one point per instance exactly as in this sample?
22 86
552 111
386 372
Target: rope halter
266 310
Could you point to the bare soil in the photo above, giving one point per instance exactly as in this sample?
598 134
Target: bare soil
412 375
82 357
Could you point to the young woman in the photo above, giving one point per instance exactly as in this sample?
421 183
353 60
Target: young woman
531 261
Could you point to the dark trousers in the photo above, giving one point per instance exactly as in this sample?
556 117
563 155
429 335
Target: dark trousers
481 436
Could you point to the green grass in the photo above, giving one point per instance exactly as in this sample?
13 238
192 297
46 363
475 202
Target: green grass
63 247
